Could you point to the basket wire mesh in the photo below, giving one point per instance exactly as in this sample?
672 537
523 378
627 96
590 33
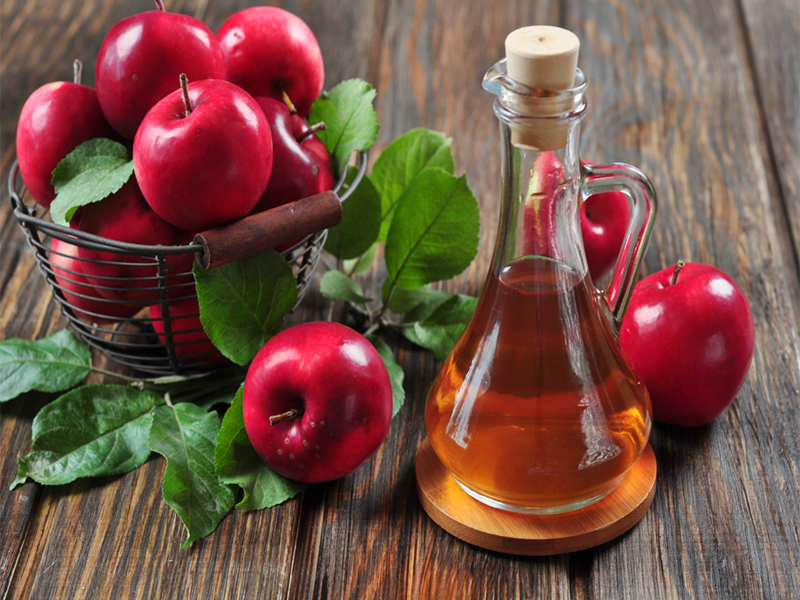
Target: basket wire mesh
148 319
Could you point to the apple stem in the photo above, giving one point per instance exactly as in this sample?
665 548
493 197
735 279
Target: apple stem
288 102
678 268
311 131
187 103
292 413
160 5
77 70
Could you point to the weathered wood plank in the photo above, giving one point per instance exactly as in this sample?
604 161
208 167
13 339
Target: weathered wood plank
116 538
673 90
366 536
674 94
772 28
39 40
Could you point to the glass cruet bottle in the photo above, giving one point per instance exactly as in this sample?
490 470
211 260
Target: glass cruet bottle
536 409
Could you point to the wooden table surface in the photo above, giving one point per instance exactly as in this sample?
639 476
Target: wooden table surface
702 95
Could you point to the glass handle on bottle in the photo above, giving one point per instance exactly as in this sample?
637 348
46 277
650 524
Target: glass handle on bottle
596 179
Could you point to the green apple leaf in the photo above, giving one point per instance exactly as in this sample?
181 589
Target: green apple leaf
243 303
362 264
440 331
92 431
351 124
52 364
396 374
361 220
434 231
92 171
186 436
415 304
238 463
400 164
335 285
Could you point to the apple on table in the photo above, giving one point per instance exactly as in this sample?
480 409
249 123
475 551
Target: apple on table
317 401
689 335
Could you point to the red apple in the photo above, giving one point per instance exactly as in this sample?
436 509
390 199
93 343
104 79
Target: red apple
85 301
688 333
203 155
604 221
141 58
269 51
539 210
301 164
54 120
191 343
317 401
126 217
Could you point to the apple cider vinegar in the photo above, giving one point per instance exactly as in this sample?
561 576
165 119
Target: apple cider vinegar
533 411
537 410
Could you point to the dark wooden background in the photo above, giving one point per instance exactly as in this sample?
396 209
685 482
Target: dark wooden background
701 94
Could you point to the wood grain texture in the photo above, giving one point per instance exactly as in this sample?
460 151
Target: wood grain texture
116 538
433 56
109 538
772 30
678 99
701 95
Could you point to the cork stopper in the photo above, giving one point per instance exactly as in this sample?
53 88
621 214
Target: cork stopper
546 58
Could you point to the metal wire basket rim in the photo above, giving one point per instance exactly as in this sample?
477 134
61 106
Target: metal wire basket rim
99 243
136 345
147 262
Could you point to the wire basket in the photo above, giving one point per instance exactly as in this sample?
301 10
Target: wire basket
147 320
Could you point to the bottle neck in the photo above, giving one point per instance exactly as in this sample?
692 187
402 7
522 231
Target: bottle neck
540 133
539 215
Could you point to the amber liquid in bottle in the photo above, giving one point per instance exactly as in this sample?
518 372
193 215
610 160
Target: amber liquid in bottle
534 410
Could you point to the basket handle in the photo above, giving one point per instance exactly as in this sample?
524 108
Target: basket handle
268 229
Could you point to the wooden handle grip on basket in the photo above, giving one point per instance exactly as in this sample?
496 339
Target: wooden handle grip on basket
268 229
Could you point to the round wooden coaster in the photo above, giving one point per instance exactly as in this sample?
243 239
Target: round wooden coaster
536 535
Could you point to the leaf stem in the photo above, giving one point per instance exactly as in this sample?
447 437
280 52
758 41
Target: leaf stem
360 310
373 328
201 393
399 325
192 389
385 306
